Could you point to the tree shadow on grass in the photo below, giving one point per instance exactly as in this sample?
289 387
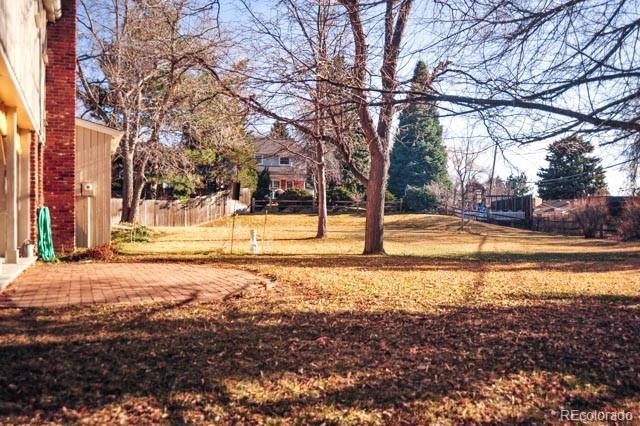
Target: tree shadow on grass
521 362
502 261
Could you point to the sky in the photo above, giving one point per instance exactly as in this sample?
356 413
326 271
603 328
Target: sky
529 158
513 159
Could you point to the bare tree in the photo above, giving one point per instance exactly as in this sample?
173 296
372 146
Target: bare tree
323 19
296 65
136 57
464 158
292 82
539 70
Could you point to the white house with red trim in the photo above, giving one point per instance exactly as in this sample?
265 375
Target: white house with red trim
283 158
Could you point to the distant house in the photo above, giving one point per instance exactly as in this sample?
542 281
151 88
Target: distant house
553 208
287 168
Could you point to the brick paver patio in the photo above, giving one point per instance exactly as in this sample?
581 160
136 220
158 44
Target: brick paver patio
80 283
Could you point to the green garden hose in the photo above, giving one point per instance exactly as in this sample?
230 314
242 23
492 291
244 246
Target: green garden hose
45 241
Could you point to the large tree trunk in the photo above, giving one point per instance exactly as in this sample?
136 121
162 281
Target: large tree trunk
133 184
138 186
127 185
374 227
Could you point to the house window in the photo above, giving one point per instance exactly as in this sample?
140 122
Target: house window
275 184
285 161
289 184
259 159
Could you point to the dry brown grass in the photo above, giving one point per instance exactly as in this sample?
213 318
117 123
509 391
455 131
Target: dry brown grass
493 326
429 261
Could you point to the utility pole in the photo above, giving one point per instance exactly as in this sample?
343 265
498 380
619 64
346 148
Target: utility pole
493 167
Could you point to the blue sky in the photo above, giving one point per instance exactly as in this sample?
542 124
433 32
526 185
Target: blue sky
526 158
529 158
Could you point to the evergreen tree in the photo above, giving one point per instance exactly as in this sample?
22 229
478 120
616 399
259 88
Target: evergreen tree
419 156
517 184
263 187
279 130
571 173
361 159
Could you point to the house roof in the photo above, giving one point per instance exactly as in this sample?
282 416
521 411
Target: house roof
274 147
116 135
552 206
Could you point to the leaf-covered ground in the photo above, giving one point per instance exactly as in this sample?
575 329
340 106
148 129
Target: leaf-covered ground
495 325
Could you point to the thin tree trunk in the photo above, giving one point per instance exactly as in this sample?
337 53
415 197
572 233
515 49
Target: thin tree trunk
127 185
322 192
374 228
153 191
462 206
321 92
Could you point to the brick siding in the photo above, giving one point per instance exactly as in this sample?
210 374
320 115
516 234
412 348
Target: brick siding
59 150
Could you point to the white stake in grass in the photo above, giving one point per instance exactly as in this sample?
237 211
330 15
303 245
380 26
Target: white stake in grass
253 247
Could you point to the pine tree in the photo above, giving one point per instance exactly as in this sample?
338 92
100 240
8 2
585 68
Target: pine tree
361 159
279 130
517 184
263 188
571 173
419 156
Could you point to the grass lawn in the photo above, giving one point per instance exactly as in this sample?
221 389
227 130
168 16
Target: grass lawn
493 325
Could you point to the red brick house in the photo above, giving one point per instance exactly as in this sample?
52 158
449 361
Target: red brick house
37 122
283 158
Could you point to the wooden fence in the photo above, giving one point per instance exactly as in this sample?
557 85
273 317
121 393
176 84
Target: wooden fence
194 211
307 206
551 224
566 225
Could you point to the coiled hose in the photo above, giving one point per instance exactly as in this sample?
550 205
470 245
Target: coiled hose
45 240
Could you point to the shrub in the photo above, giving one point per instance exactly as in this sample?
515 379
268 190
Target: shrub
629 222
296 194
130 233
591 214
300 198
339 193
389 197
419 200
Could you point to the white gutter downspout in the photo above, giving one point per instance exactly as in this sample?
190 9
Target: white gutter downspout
53 8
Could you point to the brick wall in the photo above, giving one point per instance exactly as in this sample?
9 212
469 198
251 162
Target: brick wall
59 151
